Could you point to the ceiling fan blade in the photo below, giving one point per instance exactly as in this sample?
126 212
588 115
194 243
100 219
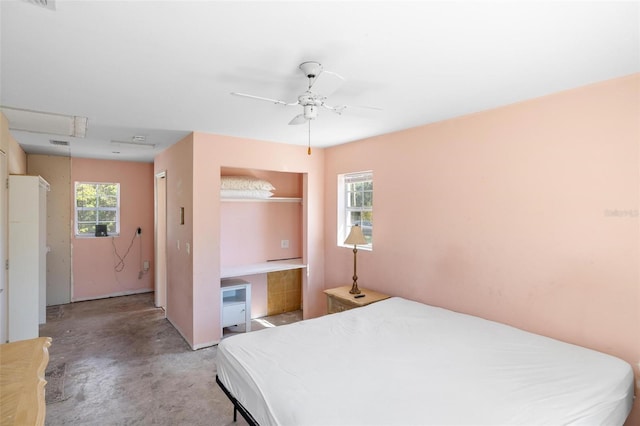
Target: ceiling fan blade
339 109
362 107
326 83
260 98
298 119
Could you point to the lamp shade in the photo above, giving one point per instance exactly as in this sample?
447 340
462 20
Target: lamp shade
355 236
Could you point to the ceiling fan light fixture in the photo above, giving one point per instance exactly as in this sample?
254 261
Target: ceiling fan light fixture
310 112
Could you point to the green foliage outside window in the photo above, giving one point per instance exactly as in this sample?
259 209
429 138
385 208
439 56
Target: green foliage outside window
359 202
97 204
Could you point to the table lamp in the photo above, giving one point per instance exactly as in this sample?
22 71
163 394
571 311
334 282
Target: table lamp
356 238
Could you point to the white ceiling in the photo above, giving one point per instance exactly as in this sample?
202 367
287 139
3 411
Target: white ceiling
164 68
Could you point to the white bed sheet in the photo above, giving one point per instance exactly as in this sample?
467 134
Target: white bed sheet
399 362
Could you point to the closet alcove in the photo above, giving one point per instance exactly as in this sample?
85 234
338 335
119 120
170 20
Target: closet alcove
261 241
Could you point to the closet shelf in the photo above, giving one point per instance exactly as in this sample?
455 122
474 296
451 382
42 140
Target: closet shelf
262 200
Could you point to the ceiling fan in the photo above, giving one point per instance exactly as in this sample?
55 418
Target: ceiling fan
321 84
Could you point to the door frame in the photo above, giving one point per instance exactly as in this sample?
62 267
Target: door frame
160 240
4 249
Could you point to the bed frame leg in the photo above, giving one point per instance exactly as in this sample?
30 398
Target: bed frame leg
237 407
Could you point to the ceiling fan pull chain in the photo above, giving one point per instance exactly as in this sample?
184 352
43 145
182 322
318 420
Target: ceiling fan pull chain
309 149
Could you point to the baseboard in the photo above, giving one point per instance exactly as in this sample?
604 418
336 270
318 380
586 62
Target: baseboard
205 345
178 330
193 347
107 296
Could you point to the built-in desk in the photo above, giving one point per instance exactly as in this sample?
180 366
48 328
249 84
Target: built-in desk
261 268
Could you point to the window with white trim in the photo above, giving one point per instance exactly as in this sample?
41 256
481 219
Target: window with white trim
97 204
355 205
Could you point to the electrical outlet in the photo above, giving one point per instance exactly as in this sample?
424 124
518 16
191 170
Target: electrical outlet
145 265
284 244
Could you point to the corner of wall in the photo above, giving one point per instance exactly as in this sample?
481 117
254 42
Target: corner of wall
4 133
16 157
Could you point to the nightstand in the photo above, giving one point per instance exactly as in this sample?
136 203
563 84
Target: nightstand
339 299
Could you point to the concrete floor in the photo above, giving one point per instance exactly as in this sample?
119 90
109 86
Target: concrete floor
125 364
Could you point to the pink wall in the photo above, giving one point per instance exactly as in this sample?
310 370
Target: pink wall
177 161
259 302
94 259
196 164
252 232
510 214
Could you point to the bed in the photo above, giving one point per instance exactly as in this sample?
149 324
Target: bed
400 362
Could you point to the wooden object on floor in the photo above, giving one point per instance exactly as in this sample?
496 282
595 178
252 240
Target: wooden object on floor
339 299
22 367
284 291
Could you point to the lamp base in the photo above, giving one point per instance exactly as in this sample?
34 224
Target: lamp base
354 288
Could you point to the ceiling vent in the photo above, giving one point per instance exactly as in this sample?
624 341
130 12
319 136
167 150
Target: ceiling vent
49 4
58 143
46 122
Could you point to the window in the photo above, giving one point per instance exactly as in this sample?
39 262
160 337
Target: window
355 205
97 204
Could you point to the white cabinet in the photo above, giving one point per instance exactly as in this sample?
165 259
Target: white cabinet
235 295
27 256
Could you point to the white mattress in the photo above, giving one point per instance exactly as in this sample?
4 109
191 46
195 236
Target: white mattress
399 362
